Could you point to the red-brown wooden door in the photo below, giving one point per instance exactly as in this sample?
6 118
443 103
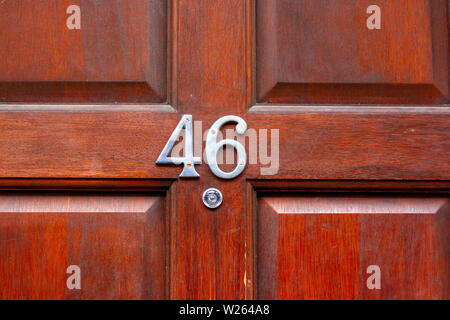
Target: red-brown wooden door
362 178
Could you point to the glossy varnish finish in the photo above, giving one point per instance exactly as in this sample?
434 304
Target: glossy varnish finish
210 246
320 246
220 59
119 241
119 55
311 52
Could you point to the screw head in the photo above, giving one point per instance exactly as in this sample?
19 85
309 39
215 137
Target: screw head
212 198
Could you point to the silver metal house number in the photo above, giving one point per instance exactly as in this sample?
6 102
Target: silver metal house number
212 148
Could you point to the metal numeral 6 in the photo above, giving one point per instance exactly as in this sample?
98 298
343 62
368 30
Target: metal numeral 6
212 148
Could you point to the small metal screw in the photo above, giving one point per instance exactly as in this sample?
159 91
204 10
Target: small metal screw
212 198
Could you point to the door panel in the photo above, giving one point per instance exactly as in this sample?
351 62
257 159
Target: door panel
310 52
319 247
117 240
119 55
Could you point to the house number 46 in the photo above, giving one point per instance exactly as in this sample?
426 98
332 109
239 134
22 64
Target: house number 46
212 148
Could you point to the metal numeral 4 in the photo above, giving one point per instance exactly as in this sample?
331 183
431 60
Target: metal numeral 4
188 160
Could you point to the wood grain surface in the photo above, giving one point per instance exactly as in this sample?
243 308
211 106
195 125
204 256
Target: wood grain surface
118 241
315 255
312 52
363 121
118 56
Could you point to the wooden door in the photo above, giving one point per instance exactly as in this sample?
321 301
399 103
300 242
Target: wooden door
356 112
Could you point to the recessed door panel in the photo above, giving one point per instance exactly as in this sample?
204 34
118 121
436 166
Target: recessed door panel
116 52
118 242
333 247
349 52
